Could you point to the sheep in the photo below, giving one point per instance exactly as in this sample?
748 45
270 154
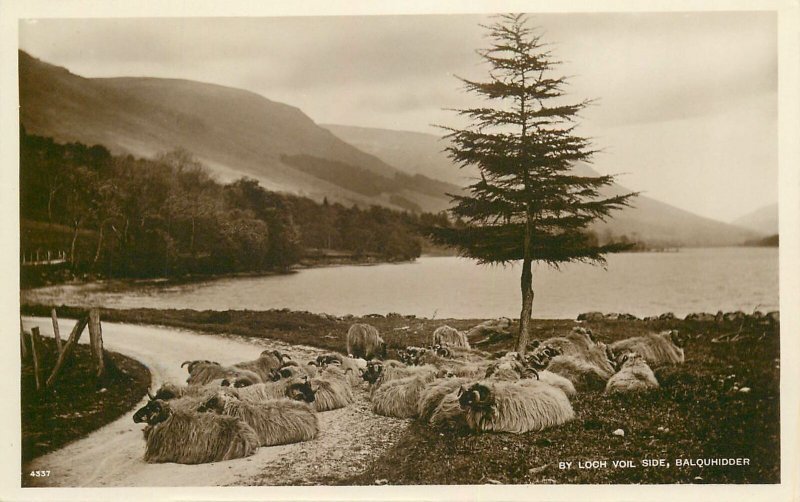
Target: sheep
584 375
295 370
514 407
364 341
193 438
433 394
413 355
331 389
267 362
379 373
400 398
296 389
449 412
202 372
657 349
556 380
276 422
462 354
169 390
634 375
500 326
579 343
447 336
353 367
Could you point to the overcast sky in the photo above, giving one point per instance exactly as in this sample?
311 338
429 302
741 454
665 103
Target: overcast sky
687 103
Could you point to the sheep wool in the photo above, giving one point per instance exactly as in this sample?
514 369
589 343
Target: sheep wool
515 407
364 341
399 398
447 336
584 375
657 349
634 375
433 393
331 390
276 422
198 438
557 381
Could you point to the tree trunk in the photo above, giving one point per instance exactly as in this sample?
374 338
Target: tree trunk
526 285
35 342
96 342
72 246
99 244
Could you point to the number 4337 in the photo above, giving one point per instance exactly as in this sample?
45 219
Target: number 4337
39 474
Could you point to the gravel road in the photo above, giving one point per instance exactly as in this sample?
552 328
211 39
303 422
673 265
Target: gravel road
112 456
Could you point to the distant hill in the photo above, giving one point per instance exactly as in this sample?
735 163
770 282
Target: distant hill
412 152
651 221
763 220
234 132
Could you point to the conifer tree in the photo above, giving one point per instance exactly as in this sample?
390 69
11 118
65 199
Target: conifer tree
528 204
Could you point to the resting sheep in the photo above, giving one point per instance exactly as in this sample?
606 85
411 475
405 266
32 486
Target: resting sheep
202 372
514 407
657 349
295 389
584 375
449 337
432 395
379 373
193 438
364 341
331 389
400 398
634 375
276 422
267 362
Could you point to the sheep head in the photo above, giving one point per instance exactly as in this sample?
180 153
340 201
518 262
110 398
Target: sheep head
301 391
677 338
215 404
373 372
475 396
154 412
441 351
165 392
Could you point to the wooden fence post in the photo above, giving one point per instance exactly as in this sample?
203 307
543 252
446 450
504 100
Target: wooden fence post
96 341
56 331
23 345
68 348
35 353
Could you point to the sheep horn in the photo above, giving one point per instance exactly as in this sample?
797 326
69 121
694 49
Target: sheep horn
152 397
184 363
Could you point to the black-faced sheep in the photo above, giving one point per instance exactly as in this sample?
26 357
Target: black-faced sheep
449 337
433 393
193 438
657 349
379 373
364 341
514 407
634 375
400 398
332 390
295 389
276 422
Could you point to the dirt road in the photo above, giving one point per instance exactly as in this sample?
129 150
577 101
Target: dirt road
112 456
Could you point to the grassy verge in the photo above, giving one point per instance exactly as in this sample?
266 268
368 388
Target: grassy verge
77 405
697 413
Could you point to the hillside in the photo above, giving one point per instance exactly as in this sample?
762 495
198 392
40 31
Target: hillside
763 220
651 221
234 132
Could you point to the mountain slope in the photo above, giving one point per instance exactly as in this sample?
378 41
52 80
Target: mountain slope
763 220
234 132
651 221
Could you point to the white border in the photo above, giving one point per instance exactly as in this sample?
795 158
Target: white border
789 157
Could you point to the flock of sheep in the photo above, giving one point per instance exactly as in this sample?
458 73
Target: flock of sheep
227 412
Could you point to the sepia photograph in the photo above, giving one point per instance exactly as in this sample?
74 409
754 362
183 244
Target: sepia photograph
495 247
